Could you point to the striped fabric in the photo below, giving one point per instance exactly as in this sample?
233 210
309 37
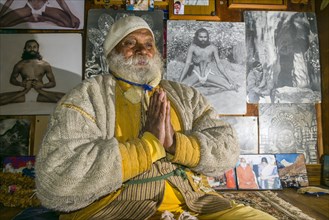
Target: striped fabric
140 201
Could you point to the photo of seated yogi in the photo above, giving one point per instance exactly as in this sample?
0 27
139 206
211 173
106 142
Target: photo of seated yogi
28 73
38 11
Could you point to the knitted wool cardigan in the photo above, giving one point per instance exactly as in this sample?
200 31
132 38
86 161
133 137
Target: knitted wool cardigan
79 160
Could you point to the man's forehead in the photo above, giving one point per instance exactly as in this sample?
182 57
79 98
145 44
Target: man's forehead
143 31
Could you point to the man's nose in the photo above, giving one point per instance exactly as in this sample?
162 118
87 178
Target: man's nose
140 48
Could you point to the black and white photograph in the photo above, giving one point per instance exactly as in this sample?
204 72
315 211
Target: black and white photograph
37 70
258 172
283 64
14 137
288 128
210 56
98 24
248 138
42 14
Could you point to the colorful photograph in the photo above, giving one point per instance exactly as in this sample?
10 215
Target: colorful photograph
292 170
257 172
225 181
24 165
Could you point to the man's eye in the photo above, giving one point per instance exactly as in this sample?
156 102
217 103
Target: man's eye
149 45
129 43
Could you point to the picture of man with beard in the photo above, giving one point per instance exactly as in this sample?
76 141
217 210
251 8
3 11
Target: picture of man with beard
199 56
125 145
28 73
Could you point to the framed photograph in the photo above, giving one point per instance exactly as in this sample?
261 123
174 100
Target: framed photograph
20 164
258 4
37 70
248 138
288 128
209 56
292 170
223 182
283 62
257 172
50 14
202 10
325 170
98 24
15 136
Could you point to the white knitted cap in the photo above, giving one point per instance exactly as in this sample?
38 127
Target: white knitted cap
120 29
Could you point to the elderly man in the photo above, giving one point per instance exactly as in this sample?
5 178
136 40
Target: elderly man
126 145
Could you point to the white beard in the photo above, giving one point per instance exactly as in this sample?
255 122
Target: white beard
129 70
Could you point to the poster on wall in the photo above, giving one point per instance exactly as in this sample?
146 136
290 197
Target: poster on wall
288 128
42 14
209 56
292 170
15 137
258 172
283 64
20 164
37 70
248 138
99 23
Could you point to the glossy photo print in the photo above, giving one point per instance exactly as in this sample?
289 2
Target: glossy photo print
42 14
98 24
209 56
257 172
227 181
283 63
292 170
37 70
20 164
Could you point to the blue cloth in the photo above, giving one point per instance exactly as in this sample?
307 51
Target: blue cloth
37 213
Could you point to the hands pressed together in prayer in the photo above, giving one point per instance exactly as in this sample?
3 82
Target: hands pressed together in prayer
158 120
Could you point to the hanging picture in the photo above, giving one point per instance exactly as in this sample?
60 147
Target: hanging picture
288 128
224 181
15 133
248 138
98 25
37 70
257 172
20 164
292 170
283 64
42 14
139 5
210 56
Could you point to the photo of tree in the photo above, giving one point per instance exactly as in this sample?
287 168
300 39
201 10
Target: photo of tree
283 64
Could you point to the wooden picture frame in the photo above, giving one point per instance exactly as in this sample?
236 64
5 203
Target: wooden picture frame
198 13
260 4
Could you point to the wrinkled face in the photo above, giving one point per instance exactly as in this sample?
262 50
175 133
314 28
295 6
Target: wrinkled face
136 58
32 48
139 43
